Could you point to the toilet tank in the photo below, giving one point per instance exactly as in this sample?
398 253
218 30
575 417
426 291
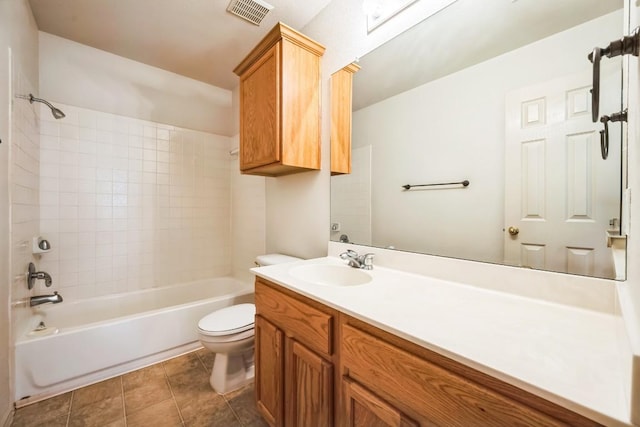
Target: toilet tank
272 259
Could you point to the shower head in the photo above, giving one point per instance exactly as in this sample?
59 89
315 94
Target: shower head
56 112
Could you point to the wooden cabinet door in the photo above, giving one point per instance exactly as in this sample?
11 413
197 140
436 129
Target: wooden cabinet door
364 409
260 142
269 359
341 106
309 384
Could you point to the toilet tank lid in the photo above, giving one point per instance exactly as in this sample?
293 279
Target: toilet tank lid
229 320
272 259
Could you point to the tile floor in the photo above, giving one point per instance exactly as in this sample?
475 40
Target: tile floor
172 393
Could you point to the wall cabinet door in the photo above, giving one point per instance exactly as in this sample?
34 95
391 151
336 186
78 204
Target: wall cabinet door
260 118
269 383
280 104
341 106
364 409
309 383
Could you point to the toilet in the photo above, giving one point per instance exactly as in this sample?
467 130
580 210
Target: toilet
229 333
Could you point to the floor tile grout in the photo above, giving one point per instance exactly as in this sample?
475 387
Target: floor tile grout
226 401
173 396
238 408
124 403
235 414
70 406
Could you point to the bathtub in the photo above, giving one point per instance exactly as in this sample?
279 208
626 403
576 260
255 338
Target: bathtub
94 339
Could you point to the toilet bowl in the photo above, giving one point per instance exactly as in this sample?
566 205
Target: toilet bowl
229 333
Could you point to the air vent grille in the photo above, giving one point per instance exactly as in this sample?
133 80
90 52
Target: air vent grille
253 11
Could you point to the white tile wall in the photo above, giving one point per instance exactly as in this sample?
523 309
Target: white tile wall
129 204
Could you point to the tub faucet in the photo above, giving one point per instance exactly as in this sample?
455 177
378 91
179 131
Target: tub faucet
364 262
32 275
44 299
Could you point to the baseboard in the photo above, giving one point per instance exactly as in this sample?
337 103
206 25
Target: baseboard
8 417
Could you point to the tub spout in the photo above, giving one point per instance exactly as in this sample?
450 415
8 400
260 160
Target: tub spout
44 299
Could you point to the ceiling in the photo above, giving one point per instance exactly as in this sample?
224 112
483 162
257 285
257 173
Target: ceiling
195 38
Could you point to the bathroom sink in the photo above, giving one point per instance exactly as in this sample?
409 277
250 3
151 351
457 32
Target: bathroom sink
331 275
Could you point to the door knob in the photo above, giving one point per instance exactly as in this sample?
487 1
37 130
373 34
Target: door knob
513 230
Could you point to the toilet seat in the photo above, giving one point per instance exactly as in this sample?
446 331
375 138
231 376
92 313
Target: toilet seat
228 321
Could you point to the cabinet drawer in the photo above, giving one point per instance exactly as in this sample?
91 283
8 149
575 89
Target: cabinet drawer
428 392
301 321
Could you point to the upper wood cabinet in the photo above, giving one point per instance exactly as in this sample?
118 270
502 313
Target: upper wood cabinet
280 104
341 105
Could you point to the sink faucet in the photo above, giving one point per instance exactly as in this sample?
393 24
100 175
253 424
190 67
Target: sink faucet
358 261
44 299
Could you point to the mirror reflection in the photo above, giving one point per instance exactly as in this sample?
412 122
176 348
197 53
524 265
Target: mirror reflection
496 93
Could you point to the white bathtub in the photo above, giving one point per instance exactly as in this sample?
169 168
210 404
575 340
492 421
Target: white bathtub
100 338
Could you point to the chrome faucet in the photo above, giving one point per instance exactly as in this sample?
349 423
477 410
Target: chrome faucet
32 275
44 299
364 262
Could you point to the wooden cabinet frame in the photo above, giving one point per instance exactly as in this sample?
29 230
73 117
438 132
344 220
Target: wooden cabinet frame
280 104
341 118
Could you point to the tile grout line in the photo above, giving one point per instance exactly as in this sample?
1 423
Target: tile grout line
235 414
70 405
124 405
224 397
173 396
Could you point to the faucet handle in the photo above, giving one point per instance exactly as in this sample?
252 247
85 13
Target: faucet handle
367 261
349 254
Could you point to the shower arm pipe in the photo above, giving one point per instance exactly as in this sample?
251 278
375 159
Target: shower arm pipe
57 113
627 45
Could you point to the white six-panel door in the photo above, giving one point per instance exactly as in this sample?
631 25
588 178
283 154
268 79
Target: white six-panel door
560 195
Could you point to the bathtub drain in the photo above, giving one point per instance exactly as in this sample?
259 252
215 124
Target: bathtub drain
42 330
41 327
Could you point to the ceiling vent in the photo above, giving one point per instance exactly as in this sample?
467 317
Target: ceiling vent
253 11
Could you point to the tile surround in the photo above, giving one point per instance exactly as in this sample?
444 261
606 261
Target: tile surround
129 204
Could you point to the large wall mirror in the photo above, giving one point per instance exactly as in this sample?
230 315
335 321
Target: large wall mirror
496 93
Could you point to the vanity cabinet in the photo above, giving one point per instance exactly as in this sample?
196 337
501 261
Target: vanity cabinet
294 359
304 347
426 389
341 118
280 104
362 408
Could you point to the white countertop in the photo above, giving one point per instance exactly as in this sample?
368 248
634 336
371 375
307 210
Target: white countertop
564 354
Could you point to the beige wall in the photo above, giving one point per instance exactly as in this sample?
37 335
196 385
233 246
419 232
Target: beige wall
83 76
247 209
5 344
18 33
